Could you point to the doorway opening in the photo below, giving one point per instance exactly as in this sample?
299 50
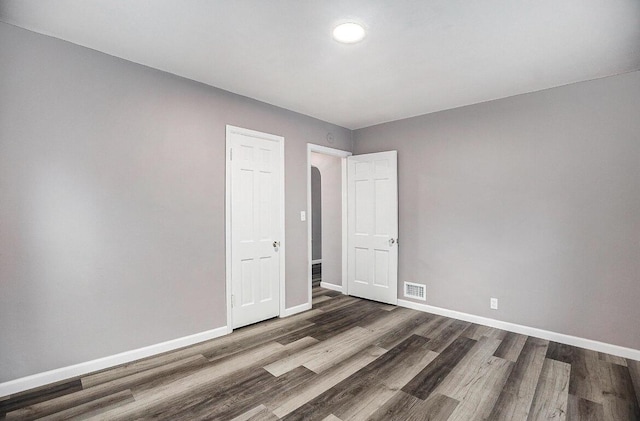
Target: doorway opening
327 209
316 224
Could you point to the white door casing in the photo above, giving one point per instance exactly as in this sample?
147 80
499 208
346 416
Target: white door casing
342 154
255 223
373 226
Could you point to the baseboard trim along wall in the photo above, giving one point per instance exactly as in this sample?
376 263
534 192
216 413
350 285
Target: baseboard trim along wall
619 351
332 287
296 309
64 373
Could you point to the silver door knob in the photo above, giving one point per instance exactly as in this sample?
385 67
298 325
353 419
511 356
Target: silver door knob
391 242
276 244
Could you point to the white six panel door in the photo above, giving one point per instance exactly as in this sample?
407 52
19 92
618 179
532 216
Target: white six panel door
255 226
372 255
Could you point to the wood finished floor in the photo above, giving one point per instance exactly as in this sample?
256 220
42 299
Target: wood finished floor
352 359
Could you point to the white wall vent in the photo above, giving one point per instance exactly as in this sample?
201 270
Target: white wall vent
417 291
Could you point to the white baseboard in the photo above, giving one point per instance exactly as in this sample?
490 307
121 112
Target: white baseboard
619 351
295 310
314 262
333 287
59 374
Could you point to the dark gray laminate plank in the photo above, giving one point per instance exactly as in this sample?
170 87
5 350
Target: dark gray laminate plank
328 330
336 348
187 391
447 335
171 376
331 351
517 394
259 413
404 407
620 409
202 402
491 332
470 331
511 345
336 303
251 341
615 380
102 390
345 318
230 399
618 392
552 394
370 387
437 407
476 381
41 394
352 312
324 381
329 327
428 379
579 409
612 359
319 299
475 332
561 352
397 408
433 327
585 365
634 372
319 291
312 331
403 330
91 408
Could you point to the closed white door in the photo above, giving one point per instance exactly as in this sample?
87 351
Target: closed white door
256 224
372 256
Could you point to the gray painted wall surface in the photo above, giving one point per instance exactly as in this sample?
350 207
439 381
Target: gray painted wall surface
112 180
533 199
316 214
331 171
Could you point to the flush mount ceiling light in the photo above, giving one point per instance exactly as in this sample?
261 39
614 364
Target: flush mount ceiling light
348 33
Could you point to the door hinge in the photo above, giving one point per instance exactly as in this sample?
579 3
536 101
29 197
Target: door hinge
231 154
233 301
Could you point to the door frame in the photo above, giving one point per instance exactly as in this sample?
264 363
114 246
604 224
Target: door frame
280 141
343 157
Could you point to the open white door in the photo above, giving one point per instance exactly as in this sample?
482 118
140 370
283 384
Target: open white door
372 192
256 229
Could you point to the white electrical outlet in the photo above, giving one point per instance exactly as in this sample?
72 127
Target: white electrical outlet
494 304
303 216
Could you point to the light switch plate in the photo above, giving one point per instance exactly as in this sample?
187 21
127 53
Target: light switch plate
303 216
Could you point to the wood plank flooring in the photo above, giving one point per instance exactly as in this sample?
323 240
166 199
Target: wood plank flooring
351 359
316 274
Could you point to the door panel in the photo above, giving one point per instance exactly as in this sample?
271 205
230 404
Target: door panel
373 226
255 226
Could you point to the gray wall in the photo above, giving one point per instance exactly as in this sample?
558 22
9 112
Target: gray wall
533 199
316 214
331 170
112 220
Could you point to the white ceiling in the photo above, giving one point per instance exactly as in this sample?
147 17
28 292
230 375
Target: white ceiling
418 56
